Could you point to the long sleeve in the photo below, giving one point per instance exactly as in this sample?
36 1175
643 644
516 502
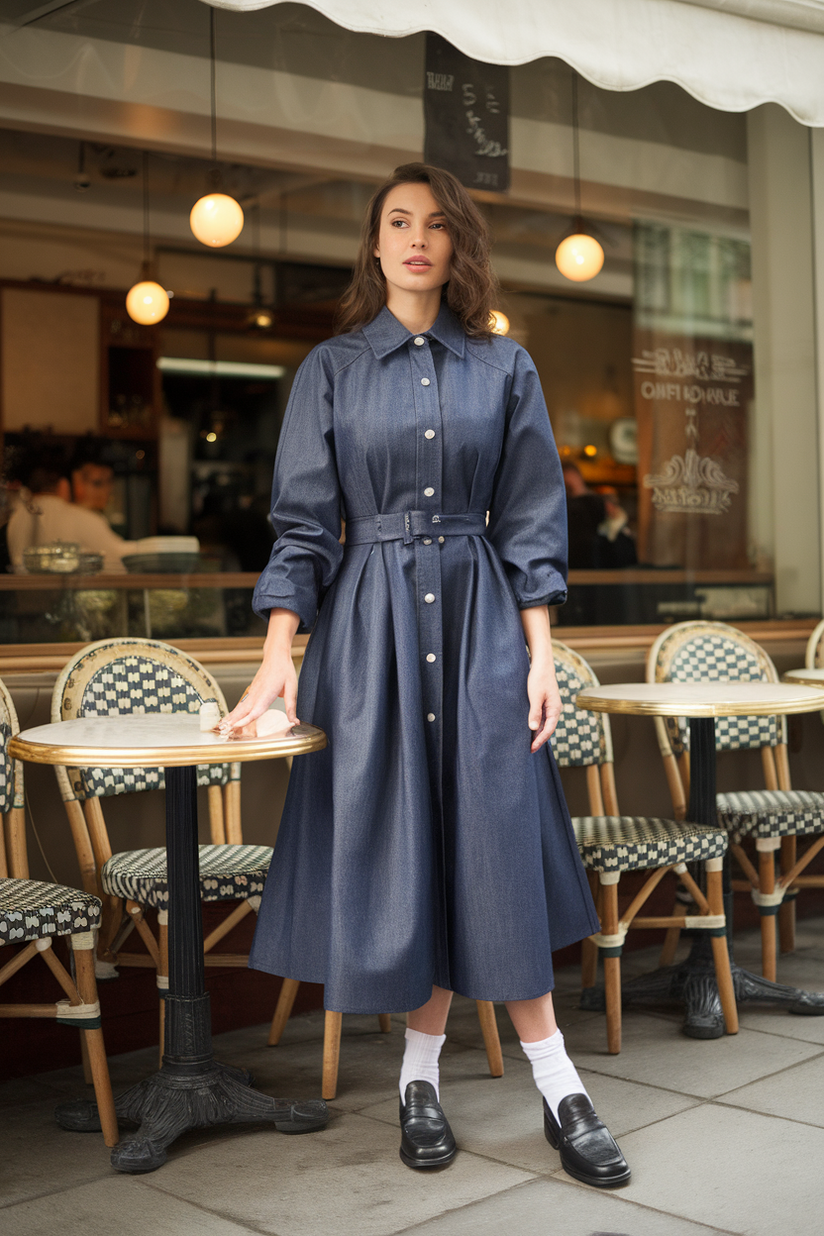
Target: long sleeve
306 501
527 519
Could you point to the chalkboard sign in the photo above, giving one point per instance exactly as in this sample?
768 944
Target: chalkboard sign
466 114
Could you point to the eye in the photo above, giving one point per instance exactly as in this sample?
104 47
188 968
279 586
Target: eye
441 226
397 223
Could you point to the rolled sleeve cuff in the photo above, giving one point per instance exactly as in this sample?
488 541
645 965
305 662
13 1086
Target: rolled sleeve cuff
552 598
299 602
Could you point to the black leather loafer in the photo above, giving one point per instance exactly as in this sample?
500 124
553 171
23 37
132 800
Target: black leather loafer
588 1150
426 1138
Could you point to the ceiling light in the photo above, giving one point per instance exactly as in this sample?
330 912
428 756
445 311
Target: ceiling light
500 322
579 256
146 302
216 219
219 369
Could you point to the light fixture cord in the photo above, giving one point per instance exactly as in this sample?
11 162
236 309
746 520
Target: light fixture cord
146 236
576 154
214 83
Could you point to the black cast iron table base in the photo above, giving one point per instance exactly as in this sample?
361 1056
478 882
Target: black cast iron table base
191 1090
692 982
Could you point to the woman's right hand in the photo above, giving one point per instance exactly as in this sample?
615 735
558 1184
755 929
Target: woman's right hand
276 676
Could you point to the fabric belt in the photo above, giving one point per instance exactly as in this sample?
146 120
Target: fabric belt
406 526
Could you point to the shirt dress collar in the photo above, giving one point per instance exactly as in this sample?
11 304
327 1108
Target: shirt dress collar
386 334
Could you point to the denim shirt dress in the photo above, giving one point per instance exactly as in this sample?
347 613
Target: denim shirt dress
426 844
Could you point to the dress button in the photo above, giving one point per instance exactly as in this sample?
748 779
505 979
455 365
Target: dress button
429 598
420 341
430 433
424 381
440 540
427 540
429 492
430 716
430 656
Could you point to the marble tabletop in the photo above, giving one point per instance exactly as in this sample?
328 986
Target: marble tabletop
163 739
810 677
702 699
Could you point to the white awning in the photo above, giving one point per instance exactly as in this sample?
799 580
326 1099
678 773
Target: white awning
730 54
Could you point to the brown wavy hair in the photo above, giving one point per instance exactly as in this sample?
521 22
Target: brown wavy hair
471 288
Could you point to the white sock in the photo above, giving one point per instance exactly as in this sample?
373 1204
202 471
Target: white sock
555 1074
420 1060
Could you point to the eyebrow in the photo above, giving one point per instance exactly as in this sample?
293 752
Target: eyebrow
399 210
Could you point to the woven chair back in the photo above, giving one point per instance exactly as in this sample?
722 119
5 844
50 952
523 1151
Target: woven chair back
119 677
713 652
580 738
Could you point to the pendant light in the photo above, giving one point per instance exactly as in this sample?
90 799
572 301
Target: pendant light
579 256
500 322
147 302
216 219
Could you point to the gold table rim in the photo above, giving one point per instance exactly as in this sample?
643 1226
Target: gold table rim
589 700
801 677
302 740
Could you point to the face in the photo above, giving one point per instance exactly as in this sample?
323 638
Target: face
414 246
93 486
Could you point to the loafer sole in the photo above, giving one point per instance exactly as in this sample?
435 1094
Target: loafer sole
423 1164
597 1182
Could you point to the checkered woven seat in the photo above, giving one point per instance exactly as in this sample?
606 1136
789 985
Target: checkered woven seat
227 873
30 910
612 844
772 818
771 813
638 842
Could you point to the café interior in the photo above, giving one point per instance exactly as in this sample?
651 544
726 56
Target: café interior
681 384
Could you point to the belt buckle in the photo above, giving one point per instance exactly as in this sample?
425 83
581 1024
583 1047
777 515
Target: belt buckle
436 519
407 528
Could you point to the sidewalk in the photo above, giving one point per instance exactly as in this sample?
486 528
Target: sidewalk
724 1136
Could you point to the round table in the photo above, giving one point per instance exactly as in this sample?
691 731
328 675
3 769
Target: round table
190 1090
805 677
693 981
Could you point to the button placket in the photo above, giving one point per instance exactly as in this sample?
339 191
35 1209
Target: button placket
428 484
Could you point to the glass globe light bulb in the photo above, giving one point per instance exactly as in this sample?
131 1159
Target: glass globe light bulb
579 257
500 322
147 302
216 220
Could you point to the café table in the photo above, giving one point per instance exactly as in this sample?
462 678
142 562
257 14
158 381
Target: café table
191 1089
805 677
693 980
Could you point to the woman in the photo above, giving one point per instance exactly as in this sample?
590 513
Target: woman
428 849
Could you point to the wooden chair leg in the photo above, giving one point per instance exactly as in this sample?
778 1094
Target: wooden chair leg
492 1041
162 975
283 1009
720 950
766 884
87 989
612 969
589 963
385 1023
671 939
331 1053
786 915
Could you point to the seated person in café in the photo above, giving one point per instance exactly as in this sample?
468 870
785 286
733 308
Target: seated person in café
48 515
598 535
92 482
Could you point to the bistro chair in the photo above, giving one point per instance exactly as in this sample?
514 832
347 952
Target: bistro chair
773 817
611 844
333 1024
120 676
32 913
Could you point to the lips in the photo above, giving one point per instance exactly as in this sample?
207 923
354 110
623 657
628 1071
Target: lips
417 262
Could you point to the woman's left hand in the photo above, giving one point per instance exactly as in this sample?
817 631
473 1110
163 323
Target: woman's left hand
544 703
